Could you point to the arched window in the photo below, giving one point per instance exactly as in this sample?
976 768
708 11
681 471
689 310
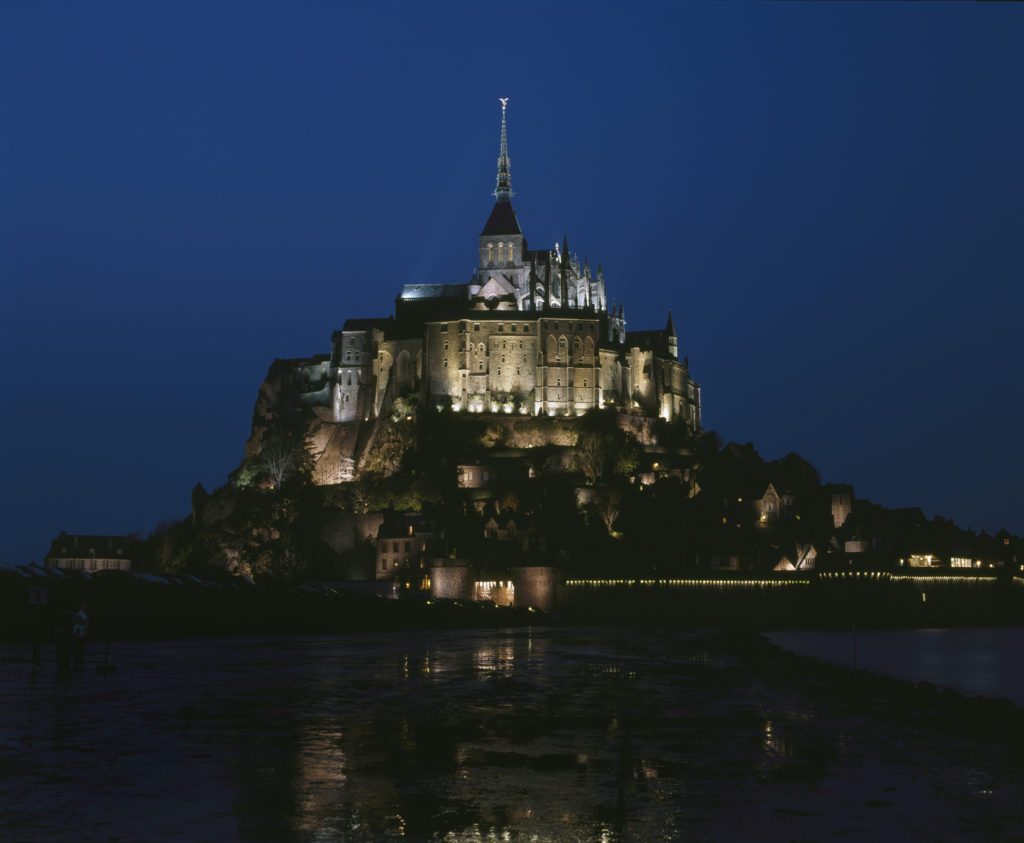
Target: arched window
588 350
501 253
577 349
490 253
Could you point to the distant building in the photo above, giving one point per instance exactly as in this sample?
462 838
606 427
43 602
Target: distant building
405 546
842 504
532 332
90 553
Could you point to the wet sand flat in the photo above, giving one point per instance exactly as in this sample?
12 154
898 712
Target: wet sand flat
543 734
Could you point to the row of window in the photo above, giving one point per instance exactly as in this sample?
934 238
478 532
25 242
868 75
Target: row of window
94 565
512 327
482 349
589 327
504 250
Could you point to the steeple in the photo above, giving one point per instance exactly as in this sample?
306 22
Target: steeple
503 191
502 220
670 337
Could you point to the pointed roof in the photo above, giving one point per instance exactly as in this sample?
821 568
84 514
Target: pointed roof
501 221
670 329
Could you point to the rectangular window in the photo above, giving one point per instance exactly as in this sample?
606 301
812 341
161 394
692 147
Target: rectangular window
476 326
444 326
501 328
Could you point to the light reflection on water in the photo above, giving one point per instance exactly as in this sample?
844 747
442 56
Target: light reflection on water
469 736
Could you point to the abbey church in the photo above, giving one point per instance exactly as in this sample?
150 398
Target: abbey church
531 332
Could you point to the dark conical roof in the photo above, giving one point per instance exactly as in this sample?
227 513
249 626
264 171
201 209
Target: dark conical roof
501 221
670 329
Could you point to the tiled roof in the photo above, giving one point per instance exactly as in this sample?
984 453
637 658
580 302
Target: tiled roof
103 547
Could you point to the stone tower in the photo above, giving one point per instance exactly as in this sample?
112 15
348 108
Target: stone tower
501 271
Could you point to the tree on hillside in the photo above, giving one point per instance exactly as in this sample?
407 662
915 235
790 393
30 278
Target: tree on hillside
607 504
285 444
284 456
795 473
604 453
359 495
591 455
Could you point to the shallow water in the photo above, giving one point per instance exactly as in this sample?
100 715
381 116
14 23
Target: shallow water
975 662
546 735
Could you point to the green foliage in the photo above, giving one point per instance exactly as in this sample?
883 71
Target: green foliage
403 408
394 439
247 475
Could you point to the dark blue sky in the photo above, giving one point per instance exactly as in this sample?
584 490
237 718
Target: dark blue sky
828 197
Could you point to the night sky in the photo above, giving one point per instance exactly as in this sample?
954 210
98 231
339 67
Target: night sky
827 196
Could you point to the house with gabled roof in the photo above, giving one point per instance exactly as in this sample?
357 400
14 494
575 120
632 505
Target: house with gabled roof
90 553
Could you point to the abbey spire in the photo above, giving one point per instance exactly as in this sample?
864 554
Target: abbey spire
503 190
503 219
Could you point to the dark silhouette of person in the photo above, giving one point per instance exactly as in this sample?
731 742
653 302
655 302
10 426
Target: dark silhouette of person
79 632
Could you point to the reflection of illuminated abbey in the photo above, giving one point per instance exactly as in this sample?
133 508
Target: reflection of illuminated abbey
532 333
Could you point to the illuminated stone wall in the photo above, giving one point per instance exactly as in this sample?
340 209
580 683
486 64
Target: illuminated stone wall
451 581
482 364
535 585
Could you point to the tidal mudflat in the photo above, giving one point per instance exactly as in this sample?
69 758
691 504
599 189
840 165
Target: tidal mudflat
542 735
